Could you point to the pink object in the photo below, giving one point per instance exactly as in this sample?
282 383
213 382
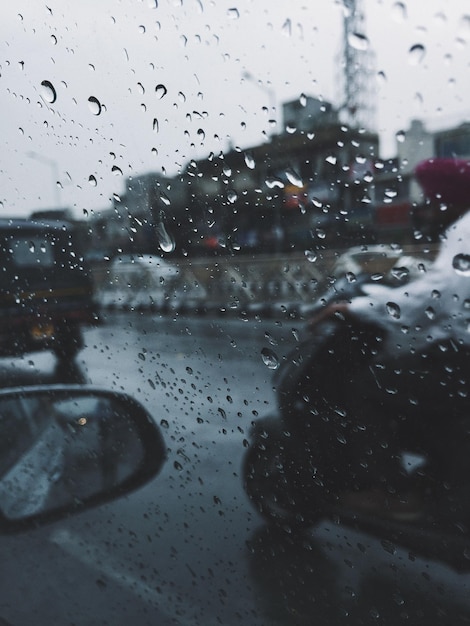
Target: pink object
447 180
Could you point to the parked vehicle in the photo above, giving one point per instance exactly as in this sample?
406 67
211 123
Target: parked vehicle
46 289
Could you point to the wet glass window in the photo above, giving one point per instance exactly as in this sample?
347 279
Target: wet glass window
251 218
32 252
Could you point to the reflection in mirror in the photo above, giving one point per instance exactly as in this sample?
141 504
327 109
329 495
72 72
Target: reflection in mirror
61 449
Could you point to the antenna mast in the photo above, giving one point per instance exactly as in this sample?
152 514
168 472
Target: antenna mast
357 99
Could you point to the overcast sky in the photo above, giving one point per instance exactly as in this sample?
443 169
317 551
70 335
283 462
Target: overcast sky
166 83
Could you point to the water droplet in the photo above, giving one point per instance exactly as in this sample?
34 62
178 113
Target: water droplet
94 105
48 92
201 134
233 14
416 54
331 159
287 28
249 160
358 41
461 264
400 273
430 312
393 309
232 196
274 182
270 358
165 239
155 125
381 78
303 100
351 277
399 12
294 178
311 255
165 199
117 171
161 91
400 136
53 40
92 180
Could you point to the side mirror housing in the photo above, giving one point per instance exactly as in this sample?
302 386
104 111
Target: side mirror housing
64 449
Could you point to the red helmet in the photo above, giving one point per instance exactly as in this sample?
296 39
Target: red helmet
447 180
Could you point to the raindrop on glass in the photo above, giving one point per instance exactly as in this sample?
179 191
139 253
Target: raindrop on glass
233 14
416 54
358 41
399 12
161 91
400 273
311 255
287 28
249 160
48 92
92 180
94 105
165 239
393 310
461 264
274 182
270 358
400 136
294 178
117 171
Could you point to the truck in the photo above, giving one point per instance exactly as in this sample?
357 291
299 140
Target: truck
46 293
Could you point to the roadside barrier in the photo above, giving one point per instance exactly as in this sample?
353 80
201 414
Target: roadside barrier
284 286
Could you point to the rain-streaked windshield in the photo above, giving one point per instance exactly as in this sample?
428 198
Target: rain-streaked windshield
252 218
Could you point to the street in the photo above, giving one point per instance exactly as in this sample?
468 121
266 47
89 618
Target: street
188 548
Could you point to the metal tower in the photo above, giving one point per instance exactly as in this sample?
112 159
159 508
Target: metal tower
357 97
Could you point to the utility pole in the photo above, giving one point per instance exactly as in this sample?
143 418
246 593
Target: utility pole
357 98
271 98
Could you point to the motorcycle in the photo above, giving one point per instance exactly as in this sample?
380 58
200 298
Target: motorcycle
297 470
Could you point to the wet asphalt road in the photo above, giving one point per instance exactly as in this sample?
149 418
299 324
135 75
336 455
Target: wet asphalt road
188 548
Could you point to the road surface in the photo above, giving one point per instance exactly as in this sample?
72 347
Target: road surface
188 548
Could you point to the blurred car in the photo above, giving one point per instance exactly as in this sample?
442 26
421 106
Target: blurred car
141 271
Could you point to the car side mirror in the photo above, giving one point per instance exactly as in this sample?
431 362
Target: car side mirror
64 449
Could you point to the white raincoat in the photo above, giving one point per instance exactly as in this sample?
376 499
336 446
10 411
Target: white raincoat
433 307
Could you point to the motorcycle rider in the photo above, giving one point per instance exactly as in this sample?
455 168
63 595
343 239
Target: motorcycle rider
403 382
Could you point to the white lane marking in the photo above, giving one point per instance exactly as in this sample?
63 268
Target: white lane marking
100 560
